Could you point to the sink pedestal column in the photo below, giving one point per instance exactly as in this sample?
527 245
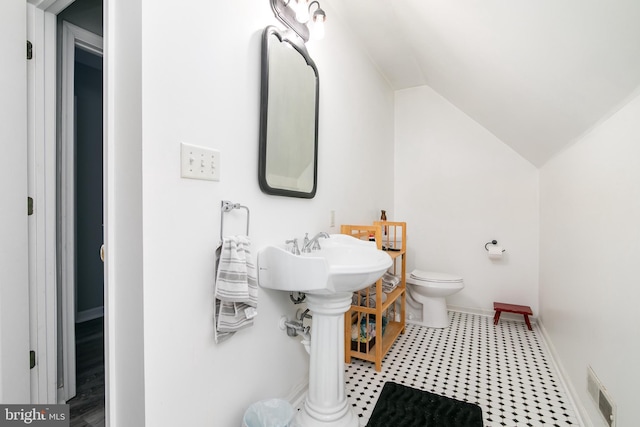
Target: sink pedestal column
326 404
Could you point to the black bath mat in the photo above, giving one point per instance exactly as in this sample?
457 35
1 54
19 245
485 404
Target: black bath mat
402 406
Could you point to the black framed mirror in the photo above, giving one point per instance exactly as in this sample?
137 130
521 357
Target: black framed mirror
288 156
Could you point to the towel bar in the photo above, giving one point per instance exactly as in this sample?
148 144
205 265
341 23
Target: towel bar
227 206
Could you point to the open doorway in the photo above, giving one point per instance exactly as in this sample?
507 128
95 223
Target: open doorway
80 356
123 282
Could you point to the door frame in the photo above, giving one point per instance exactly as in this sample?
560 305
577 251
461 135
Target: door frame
72 37
42 179
45 272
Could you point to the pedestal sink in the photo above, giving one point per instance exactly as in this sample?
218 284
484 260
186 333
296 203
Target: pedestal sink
328 277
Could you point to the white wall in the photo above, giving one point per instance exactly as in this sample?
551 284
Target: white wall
201 85
589 269
459 187
14 290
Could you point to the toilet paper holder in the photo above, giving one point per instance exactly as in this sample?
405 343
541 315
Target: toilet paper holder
493 242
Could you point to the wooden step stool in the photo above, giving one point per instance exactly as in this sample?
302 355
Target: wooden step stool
499 307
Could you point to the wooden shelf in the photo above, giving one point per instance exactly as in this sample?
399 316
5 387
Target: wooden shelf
395 254
369 308
392 298
392 331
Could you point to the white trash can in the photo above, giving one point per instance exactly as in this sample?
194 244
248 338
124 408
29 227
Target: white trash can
269 413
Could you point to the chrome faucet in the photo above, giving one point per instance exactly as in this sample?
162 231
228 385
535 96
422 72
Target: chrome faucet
313 244
294 247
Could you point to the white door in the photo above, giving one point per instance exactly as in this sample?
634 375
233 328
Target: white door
14 291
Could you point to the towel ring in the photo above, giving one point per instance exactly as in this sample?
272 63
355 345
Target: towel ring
227 206
493 242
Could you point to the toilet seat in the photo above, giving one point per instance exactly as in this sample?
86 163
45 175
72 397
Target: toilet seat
434 277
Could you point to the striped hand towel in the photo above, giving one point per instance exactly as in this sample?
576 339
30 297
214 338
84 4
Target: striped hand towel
236 288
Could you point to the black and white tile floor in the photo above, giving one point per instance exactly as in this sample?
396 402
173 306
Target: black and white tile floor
504 368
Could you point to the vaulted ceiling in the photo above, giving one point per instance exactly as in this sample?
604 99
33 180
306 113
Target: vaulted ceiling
538 74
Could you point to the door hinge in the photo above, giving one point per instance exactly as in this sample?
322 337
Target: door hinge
29 205
32 359
29 50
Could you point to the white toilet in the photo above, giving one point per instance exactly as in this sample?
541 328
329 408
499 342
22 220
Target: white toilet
430 289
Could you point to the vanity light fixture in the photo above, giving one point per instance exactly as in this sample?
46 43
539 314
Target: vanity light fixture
305 18
317 20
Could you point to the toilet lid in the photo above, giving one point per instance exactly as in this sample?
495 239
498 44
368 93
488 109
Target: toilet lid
431 276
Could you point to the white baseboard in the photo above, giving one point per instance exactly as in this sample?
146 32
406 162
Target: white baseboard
483 312
298 393
86 315
572 393
470 310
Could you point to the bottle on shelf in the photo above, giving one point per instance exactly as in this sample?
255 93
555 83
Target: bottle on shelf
383 217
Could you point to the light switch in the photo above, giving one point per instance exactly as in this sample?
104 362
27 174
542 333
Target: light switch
199 162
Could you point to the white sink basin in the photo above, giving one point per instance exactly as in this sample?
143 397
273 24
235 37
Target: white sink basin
344 264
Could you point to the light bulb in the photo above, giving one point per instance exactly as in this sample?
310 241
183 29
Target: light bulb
302 11
317 29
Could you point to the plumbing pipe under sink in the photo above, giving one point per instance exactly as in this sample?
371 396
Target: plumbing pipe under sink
295 328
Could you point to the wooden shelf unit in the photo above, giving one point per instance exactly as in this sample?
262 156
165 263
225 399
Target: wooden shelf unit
368 307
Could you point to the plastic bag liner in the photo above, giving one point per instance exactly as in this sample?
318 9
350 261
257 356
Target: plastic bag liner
269 413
